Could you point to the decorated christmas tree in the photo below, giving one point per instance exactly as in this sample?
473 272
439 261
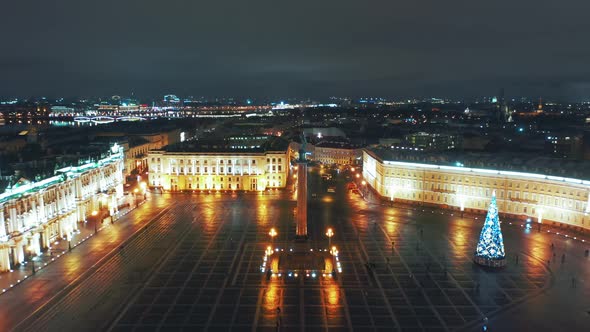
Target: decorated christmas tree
490 248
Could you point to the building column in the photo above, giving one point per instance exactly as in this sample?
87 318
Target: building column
61 227
2 223
35 243
19 251
73 221
46 236
4 257
13 224
116 202
42 212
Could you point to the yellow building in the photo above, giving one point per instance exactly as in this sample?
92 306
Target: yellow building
543 198
336 152
251 163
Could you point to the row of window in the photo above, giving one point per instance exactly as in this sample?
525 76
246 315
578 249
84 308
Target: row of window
214 170
492 182
220 162
522 197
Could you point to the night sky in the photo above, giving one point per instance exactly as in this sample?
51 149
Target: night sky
316 48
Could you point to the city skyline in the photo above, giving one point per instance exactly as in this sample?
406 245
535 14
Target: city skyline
263 165
269 50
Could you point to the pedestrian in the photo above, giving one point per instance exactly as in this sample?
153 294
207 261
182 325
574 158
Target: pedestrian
573 282
552 246
517 259
421 232
563 258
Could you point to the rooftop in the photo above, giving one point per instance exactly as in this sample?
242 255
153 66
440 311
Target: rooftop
249 144
505 161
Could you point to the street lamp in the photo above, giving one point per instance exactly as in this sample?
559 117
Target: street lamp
329 234
272 233
334 251
364 183
268 251
540 220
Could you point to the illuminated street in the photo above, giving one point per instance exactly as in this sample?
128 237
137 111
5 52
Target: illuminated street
197 266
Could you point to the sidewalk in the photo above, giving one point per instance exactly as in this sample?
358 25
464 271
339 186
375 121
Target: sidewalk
20 301
14 278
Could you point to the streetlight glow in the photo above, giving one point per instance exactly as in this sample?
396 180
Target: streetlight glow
329 234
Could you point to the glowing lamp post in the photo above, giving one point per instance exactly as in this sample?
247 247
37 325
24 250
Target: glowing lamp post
352 169
272 233
540 218
334 251
364 183
268 251
329 234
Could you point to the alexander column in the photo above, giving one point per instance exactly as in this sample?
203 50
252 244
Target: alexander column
302 192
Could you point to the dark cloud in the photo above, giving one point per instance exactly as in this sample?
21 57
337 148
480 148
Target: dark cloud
294 48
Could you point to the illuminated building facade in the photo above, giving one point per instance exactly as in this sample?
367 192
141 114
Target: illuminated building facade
238 163
338 153
543 198
35 214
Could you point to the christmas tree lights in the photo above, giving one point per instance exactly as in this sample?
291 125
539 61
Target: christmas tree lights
490 248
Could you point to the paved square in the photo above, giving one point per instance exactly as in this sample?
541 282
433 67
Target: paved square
206 274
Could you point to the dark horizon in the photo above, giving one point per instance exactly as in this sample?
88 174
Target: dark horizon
270 50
